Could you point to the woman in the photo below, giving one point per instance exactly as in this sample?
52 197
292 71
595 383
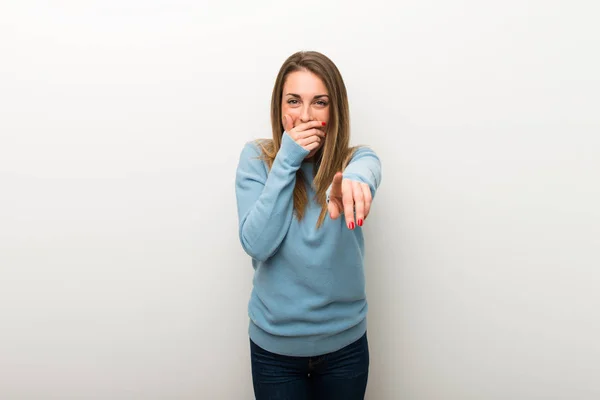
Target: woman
302 199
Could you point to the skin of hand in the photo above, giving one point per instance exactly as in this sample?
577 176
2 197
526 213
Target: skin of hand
349 197
307 134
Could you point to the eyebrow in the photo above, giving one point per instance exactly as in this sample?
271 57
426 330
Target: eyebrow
316 97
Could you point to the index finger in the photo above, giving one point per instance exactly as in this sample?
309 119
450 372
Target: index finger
310 124
348 201
336 185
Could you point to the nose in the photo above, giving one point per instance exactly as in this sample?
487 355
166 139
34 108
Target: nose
306 114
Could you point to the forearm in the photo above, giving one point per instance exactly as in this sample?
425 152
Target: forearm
364 167
265 217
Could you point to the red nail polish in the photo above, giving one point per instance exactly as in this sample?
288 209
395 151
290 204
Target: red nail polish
351 225
324 123
360 222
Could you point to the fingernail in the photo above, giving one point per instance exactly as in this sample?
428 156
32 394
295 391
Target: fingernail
351 225
360 222
324 123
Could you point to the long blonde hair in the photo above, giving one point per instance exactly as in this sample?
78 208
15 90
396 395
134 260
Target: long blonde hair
336 153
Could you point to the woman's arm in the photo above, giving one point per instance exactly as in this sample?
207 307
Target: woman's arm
265 200
352 191
365 167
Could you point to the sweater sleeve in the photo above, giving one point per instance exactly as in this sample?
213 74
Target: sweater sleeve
364 167
265 199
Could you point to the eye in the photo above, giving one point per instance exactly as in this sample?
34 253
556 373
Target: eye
292 101
321 103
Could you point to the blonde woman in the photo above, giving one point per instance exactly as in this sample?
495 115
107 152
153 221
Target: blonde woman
302 198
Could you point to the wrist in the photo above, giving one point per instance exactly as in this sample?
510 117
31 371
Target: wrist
291 152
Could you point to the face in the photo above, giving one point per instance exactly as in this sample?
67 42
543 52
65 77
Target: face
305 98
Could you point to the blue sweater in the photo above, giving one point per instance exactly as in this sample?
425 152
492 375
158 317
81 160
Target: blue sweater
308 294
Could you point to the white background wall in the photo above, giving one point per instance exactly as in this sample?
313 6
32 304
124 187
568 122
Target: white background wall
121 122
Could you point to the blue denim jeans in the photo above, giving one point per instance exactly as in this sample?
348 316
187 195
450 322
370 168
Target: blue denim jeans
341 375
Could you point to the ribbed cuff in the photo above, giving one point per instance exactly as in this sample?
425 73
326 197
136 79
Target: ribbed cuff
291 152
